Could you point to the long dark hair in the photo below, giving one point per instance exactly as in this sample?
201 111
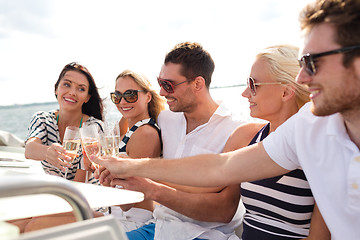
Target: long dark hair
94 107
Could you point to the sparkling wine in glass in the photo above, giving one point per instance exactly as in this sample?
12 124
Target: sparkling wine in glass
107 144
71 143
109 139
90 141
117 139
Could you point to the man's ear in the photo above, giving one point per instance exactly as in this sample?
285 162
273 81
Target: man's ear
199 83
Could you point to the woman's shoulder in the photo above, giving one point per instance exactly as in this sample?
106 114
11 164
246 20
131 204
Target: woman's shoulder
146 130
242 135
91 120
248 128
144 142
44 115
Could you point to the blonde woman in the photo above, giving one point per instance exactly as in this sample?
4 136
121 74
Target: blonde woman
140 106
280 207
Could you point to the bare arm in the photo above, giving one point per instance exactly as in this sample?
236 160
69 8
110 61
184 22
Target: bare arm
238 139
201 170
318 228
218 207
53 154
145 142
211 207
205 204
123 125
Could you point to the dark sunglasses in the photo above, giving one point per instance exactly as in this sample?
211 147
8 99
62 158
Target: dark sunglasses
168 86
130 96
251 84
307 61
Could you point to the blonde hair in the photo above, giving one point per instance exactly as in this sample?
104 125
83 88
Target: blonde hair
284 66
157 103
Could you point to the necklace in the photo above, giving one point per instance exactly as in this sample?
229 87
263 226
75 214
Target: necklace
57 120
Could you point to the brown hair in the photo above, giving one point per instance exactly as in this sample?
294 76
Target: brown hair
195 61
344 15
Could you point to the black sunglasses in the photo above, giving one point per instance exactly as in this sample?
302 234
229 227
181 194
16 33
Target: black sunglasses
168 86
308 60
130 96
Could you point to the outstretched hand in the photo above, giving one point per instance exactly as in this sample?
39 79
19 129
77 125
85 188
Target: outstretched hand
112 167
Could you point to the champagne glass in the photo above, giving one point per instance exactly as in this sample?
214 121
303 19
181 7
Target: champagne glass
107 144
110 138
71 143
117 138
90 141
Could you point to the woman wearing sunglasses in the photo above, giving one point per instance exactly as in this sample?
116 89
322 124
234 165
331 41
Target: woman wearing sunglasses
279 207
140 107
79 103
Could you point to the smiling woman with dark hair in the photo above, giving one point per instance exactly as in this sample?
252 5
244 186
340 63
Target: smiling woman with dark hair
79 103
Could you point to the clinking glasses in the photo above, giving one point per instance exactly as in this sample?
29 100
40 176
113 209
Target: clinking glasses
308 60
130 96
251 84
168 86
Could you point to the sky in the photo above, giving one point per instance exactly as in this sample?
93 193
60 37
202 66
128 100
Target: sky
39 37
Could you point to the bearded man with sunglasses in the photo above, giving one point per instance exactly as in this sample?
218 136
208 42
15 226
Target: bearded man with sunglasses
323 138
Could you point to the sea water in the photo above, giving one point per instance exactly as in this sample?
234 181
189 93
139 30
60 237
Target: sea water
16 118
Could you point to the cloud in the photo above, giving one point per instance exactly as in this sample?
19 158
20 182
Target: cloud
38 37
24 16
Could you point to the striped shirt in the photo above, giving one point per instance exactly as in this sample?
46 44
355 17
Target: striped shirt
278 207
44 127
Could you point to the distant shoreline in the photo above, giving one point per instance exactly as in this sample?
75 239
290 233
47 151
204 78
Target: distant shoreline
25 105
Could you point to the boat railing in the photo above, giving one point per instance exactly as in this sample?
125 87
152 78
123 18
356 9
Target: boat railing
86 227
28 185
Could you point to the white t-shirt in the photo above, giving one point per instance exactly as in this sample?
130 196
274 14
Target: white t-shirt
331 162
207 138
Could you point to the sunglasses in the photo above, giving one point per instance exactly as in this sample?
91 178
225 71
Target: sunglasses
168 86
251 84
307 61
130 96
